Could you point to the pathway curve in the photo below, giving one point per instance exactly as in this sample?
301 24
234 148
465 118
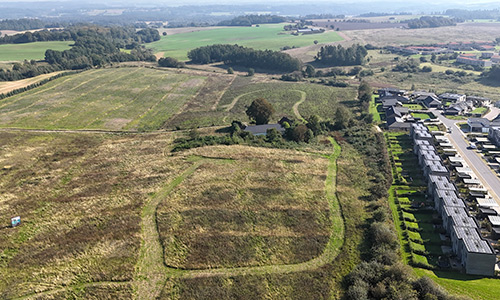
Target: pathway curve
235 100
303 96
151 273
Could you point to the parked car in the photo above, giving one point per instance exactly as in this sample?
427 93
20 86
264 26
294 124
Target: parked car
472 146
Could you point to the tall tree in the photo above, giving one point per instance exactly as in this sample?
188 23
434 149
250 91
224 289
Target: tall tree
260 111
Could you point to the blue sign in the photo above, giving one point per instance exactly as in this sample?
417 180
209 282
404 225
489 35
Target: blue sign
15 221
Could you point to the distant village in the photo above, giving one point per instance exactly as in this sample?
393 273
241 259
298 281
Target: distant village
486 58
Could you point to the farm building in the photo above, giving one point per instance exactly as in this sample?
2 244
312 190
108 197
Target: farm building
462 59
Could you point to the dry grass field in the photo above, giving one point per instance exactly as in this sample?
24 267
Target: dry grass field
7 86
246 207
80 198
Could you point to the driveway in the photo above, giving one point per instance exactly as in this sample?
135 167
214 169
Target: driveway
484 173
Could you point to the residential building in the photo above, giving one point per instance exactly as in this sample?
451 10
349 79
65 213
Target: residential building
449 97
479 101
262 129
494 135
478 125
476 255
429 101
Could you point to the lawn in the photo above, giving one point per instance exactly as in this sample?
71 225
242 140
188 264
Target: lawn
422 116
112 99
479 110
20 52
269 36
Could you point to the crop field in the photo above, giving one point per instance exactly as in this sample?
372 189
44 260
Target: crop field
247 207
7 86
111 99
269 36
36 51
346 26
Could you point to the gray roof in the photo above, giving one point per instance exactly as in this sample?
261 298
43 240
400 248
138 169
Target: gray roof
460 218
450 198
262 129
395 122
472 240
479 122
495 220
451 96
435 166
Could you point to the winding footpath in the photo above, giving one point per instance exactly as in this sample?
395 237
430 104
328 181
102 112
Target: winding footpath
151 272
303 97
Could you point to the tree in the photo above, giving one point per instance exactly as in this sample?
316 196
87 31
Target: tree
260 111
170 62
342 117
314 123
310 71
230 70
164 33
251 72
299 133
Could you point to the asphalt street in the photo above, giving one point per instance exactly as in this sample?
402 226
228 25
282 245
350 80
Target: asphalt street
484 173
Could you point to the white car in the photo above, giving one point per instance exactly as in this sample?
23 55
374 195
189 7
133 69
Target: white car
472 146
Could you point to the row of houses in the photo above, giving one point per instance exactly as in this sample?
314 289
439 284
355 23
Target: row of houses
471 59
475 254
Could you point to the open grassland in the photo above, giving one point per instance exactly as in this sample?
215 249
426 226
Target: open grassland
232 101
80 198
20 52
110 99
316 283
7 86
269 36
460 33
86 199
247 207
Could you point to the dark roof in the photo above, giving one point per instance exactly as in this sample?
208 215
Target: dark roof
479 122
389 102
392 111
262 129
396 122
429 100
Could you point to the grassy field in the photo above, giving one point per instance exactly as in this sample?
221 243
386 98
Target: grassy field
80 198
20 52
308 99
249 206
113 99
269 36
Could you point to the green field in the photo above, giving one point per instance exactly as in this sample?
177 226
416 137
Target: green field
19 52
113 99
264 37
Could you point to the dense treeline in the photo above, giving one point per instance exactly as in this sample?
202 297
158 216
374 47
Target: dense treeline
379 14
473 14
340 56
493 74
126 37
37 36
27 69
29 24
429 22
94 46
246 57
250 20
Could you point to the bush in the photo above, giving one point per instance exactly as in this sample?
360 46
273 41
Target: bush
170 62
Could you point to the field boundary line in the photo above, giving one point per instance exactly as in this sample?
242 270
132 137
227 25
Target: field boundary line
62 289
214 107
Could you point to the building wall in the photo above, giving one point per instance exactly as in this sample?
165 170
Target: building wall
480 264
494 135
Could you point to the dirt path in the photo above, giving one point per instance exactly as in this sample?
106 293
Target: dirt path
151 272
296 105
214 107
235 100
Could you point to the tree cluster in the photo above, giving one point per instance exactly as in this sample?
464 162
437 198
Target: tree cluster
170 62
340 56
246 57
493 74
27 69
249 20
365 95
407 66
430 22
38 36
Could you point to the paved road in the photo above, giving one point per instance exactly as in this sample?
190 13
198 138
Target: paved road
485 174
